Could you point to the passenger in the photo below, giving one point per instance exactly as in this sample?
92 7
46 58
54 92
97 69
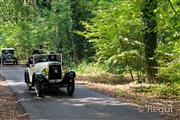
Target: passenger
30 59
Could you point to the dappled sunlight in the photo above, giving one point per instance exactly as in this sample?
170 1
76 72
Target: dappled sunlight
13 83
94 100
18 86
103 114
24 99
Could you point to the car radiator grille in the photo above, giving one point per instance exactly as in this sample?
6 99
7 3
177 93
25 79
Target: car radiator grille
55 72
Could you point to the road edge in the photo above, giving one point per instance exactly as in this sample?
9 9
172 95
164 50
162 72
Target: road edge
21 112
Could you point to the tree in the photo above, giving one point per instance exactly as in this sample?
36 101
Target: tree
150 38
81 48
168 51
116 35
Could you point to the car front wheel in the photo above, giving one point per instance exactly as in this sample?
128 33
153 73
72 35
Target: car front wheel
3 63
16 62
71 86
38 89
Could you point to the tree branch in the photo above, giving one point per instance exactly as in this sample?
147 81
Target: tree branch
4 14
172 6
34 4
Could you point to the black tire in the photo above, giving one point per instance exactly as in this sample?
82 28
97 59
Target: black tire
16 62
29 87
26 76
38 88
71 86
3 62
56 88
26 80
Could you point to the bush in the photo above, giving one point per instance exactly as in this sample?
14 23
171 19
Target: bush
90 68
170 72
170 90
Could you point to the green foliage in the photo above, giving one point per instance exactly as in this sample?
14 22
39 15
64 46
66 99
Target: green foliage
98 73
161 91
111 29
115 32
168 51
170 72
80 12
32 28
168 90
91 68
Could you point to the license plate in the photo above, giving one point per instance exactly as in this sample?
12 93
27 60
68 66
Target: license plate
10 60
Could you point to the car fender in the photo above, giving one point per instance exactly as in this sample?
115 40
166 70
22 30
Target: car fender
38 77
30 72
70 74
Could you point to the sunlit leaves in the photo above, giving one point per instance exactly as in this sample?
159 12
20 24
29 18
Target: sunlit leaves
168 51
25 27
115 30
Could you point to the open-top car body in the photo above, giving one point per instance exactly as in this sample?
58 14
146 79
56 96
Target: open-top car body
8 56
44 71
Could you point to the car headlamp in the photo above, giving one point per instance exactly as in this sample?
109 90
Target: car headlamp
66 69
45 71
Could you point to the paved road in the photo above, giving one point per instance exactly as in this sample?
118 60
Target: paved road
57 105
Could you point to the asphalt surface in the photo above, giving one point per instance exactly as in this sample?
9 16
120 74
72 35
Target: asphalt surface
57 105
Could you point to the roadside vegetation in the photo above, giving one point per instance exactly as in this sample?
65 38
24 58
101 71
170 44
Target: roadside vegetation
119 42
96 77
95 73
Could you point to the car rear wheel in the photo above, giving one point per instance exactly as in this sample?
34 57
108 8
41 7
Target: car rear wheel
26 79
71 86
15 62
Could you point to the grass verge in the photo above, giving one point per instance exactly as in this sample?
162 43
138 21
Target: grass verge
123 88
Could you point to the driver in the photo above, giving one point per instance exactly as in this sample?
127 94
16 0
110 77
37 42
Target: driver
52 57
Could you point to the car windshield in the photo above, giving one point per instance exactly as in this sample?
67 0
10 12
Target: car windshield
47 57
5 52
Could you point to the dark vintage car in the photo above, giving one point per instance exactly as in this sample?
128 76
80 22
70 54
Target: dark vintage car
8 56
44 71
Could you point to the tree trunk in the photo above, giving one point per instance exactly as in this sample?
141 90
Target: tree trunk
77 40
150 38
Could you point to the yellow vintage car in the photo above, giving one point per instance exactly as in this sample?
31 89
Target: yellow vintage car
44 71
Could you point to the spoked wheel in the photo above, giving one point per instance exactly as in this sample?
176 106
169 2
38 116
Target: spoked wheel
71 86
38 89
